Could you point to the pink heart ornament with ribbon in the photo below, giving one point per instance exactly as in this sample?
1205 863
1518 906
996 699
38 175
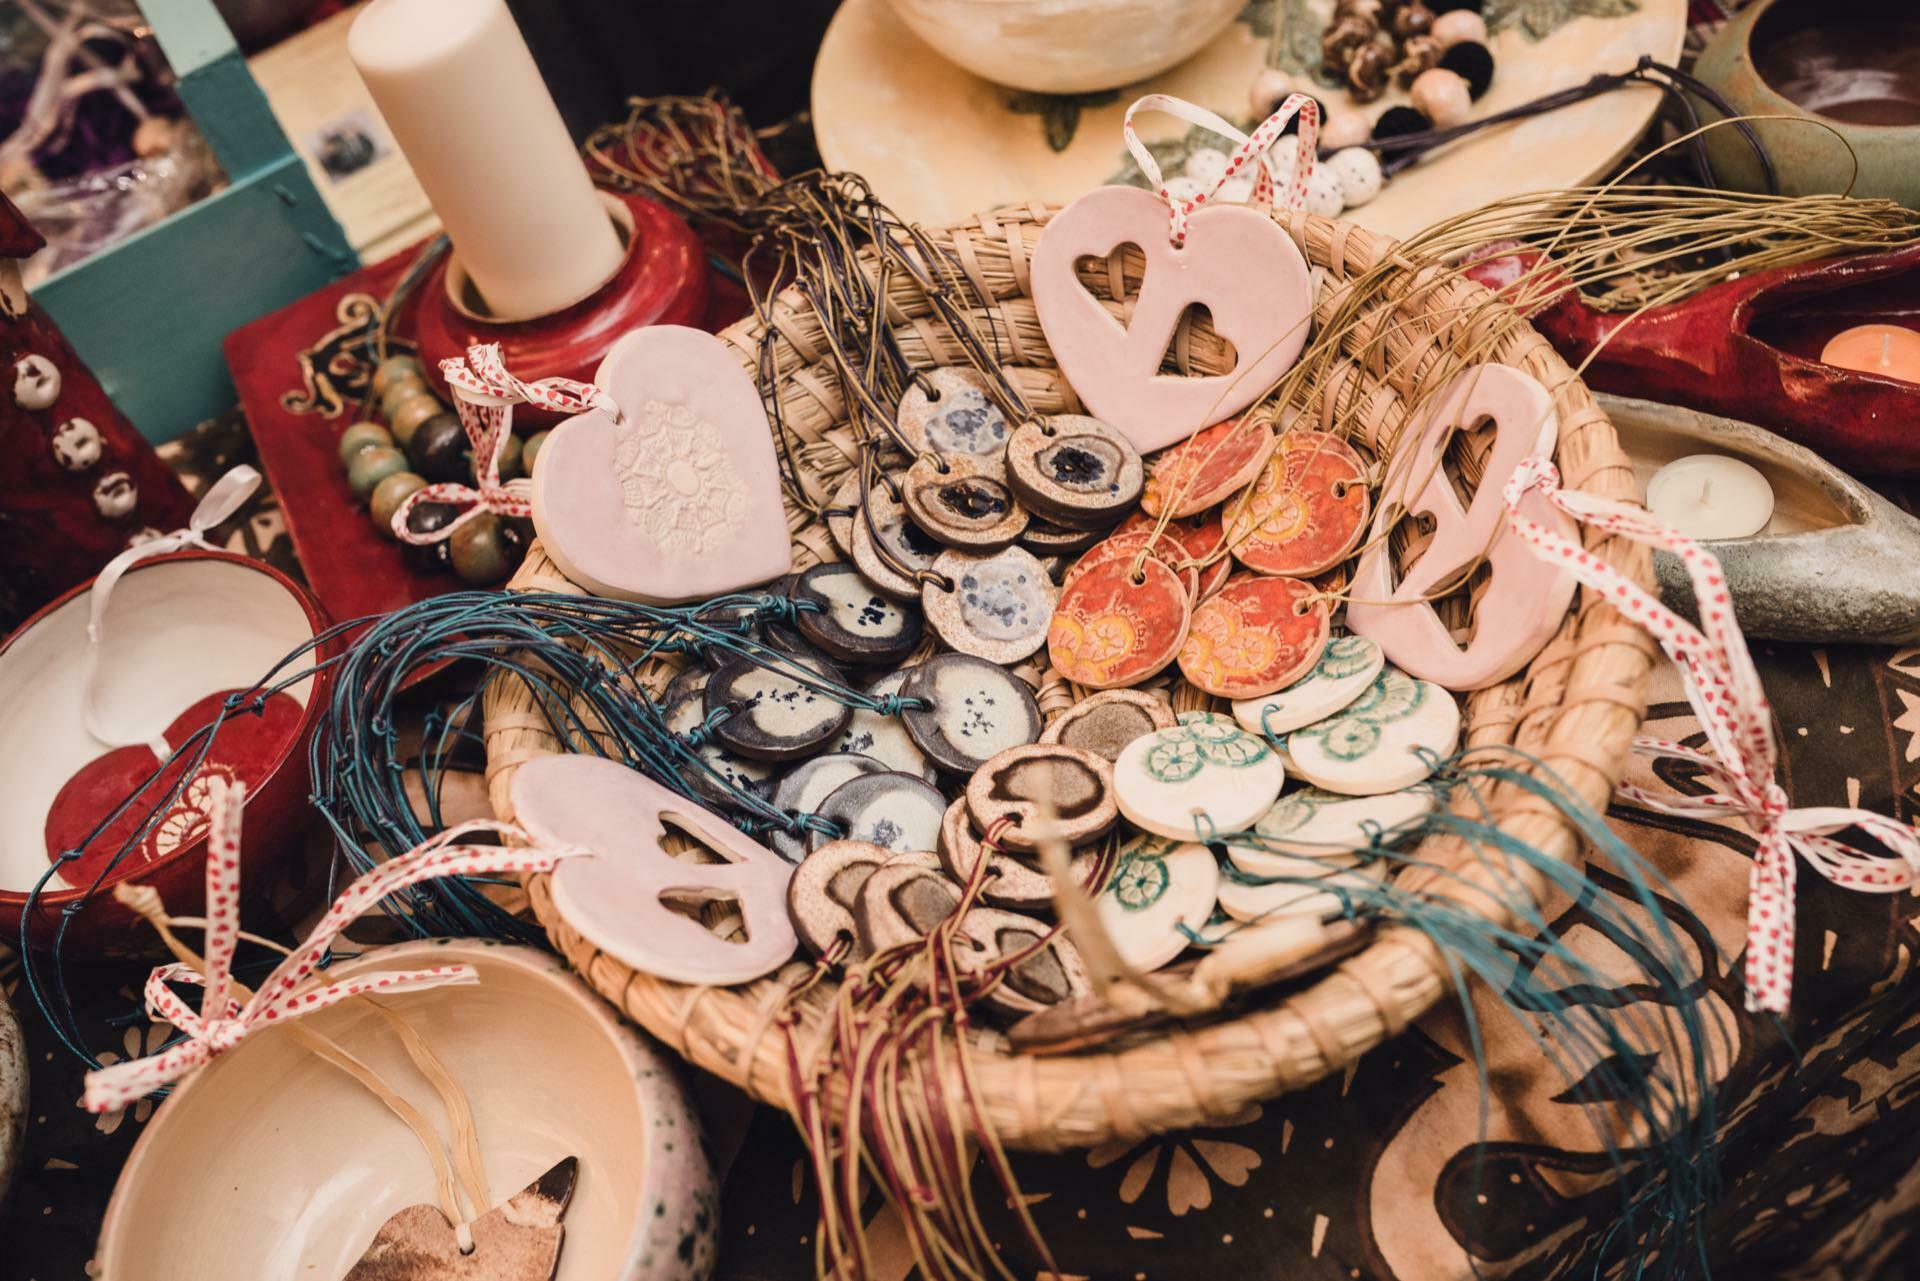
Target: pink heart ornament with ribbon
676 499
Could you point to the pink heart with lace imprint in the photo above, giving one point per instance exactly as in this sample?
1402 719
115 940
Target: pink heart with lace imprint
1236 261
679 500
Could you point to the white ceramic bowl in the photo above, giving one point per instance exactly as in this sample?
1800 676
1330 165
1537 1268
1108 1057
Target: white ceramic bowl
1067 46
272 1165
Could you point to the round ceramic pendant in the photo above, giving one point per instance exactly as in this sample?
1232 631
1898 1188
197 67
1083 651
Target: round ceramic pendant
1199 780
901 904
1159 889
1075 471
1255 636
1106 722
1344 893
36 382
1307 509
885 737
1384 741
1112 629
962 502
1316 824
807 786
1011 881
724 770
1045 539
827 884
777 715
1346 669
882 527
1077 785
1052 974
1202 543
841 613
841 510
999 605
690 683
1205 468
970 711
948 411
897 811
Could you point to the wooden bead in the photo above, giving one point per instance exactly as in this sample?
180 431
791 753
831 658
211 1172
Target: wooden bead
396 369
1345 129
1442 97
1270 89
389 494
410 414
402 390
479 557
440 450
1412 20
512 458
371 466
1450 29
359 436
425 519
531 451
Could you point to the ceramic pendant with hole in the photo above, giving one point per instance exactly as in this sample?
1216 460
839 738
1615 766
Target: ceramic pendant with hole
1526 598
1011 788
948 411
807 786
1051 973
1238 263
1347 892
1256 635
1201 540
1011 881
722 769
614 897
895 811
517 1240
1307 508
1316 824
669 504
1106 722
902 904
1045 539
776 713
970 711
841 613
841 510
1157 887
1198 780
998 607
1127 548
826 885
1346 669
887 548
1199 472
1075 471
885 737
962 502
1113 628
1384 741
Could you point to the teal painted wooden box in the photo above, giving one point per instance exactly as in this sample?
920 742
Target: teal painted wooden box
149 314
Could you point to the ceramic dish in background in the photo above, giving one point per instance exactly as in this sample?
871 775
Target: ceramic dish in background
13 1093
178 630
1066 46
272 1163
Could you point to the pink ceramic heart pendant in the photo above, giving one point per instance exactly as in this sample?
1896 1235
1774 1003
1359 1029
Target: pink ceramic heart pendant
678 501
614 897
1237 261
1527 597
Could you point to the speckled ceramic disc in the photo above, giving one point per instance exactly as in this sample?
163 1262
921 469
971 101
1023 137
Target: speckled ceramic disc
1256 635
1383 741
691 681
807 786
1109 630
1307 509
1201 779
1077 784
843 614
902 903
1158 887
1316 824
777 715
1053 974
962 502
1345 670
841 510
1045 539
973 711
688 715
897 811
1075 471
948 411
885 738
884 524
826 885
999 606
1106 722
1206 467
1344 893
1011 881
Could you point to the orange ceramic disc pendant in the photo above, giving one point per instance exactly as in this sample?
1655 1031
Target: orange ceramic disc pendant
1201 539
1206 467
1307 509
1110 630
1255 636
1126 547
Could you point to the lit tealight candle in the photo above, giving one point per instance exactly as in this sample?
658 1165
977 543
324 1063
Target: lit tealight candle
1887 350
1709 496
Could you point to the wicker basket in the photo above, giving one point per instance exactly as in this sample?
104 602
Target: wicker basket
1577 707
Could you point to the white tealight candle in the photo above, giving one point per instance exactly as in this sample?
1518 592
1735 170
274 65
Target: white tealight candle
1711 496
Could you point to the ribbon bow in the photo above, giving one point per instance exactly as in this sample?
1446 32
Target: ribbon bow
484 394
1724 688
223 1019
1253 148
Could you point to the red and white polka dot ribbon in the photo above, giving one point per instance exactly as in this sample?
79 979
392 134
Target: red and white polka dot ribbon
222 1022
1721 682
1252 153
484 394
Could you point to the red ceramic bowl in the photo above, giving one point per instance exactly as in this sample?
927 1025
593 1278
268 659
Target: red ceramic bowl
180 629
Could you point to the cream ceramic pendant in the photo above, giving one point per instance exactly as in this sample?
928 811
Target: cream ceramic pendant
885 737
1106 722
1316 824
902 903
1347 668
897 812
1075 471
1344 893
1158 887
826 886
775 713
668 504
882 524
1076 786
963 501
1010 881
1201 779
1383 742
948 411
849 620
806 786
998 607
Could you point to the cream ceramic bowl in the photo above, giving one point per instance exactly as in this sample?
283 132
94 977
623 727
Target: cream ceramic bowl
1067 46
271 1165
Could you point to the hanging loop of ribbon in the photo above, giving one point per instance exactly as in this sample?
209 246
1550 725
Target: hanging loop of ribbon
222 1021
484 395
1253 152
1722 684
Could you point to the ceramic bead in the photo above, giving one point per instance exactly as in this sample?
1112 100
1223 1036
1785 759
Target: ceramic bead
440 451
76 444
1270 89
1442 97
401 390
1450 29
425 519
371 466
1206 166
359 436
1358 173
115 496
531 450
36 382
512 459
1323 193
389 494
410 414
479 556
1234 191
1183 188
396 369
1345 129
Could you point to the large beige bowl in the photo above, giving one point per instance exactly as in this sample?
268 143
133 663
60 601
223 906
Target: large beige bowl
1067 46
271 1165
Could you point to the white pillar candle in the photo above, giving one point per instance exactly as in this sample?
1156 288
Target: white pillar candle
461 93
1709 496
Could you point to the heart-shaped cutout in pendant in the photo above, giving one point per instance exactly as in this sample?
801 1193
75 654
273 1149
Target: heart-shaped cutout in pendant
1236 261
680 499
